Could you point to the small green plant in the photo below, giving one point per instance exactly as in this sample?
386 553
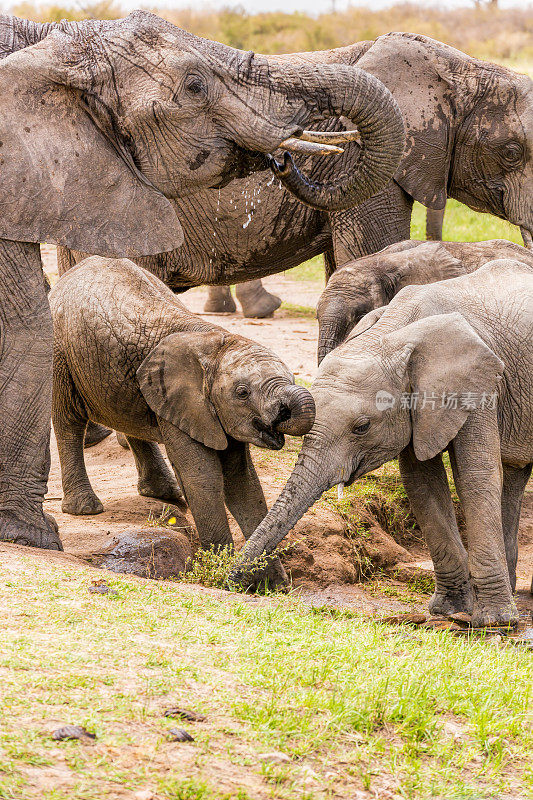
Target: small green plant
212 568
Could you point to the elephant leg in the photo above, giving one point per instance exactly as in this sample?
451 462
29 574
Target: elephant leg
70 421
246 501
199 472
256 302
219 300
514 483
434 223
478 475
66 259
330 265
25 398
155 478
382 220
122 440
426 484
95 433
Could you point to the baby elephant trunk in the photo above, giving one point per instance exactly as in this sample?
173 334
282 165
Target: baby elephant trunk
297 412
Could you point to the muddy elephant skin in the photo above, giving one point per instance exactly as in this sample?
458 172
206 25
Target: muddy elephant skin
103 124
446 366
129 355
469 136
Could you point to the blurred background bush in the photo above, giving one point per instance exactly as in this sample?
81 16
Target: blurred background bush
480 29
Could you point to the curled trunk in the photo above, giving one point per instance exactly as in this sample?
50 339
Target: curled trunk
345 91
298 404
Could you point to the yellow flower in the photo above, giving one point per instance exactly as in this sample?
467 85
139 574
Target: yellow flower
172 521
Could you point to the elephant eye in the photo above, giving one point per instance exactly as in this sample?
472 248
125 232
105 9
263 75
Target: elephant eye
242 392
361 428
513 151
194 85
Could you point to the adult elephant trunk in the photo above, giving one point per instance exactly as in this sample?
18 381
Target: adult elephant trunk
304 487
297 411
297 95
344 91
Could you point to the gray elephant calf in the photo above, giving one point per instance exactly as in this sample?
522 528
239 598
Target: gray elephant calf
129 355
372 281
421 376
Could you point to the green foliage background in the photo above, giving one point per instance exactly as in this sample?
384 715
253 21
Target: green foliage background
503 35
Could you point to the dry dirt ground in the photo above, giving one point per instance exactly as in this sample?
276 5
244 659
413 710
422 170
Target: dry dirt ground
322 562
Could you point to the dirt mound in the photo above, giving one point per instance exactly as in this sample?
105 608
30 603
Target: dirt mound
147 552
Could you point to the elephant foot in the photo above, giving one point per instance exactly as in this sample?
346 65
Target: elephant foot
220 301
495 616
161 489
445 603
121 439
81 504
256 302
95 434
17 531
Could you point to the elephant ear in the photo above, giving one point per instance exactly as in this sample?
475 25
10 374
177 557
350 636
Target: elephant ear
425 78
65 175
175 382
451 372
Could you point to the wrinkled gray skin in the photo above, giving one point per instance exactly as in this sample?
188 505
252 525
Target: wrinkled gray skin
469 136
457 336
129 355
101 123
372 281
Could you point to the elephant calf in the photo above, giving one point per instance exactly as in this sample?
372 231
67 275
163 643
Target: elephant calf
129 355
372 281
443 366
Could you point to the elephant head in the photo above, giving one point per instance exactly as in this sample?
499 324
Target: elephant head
357 288
103 121
213 384
469 126
361 419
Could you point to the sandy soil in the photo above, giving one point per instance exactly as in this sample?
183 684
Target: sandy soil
321 564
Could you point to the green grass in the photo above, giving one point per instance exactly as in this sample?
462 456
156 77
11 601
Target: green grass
461 224
350 703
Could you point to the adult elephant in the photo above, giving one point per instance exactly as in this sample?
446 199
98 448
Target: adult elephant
469 136
101 123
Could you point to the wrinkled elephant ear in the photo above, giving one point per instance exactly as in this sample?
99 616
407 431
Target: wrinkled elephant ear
66 178
421 76
174 380
451 372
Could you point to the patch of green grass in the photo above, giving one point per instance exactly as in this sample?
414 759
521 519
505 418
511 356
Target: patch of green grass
307 312
350 703
461 224
312 270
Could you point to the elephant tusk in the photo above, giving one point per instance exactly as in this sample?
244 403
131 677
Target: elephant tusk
340 491
330 137
309 148
527 238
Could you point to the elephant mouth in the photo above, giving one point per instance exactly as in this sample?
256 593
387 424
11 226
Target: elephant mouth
272 439
240 164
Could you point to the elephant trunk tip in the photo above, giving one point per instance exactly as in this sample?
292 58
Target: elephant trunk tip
297 412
